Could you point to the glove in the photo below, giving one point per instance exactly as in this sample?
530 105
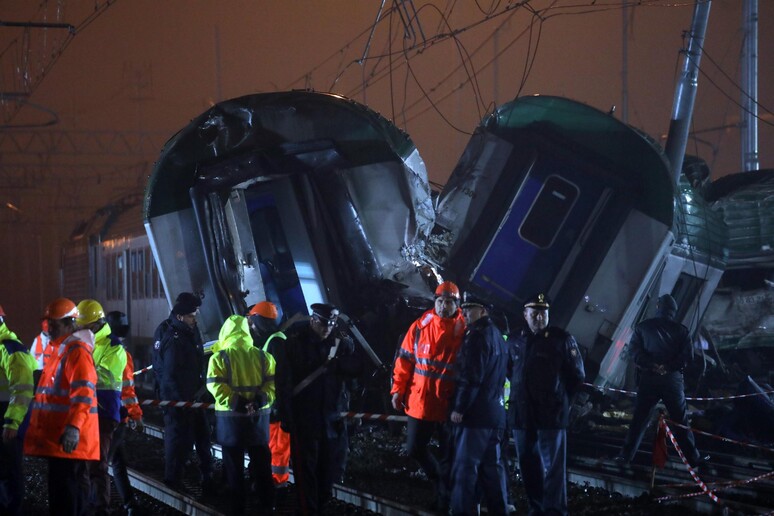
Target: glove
136 424
70 438
242 405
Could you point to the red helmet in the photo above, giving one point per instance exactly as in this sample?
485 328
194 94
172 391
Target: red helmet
448 289
61 308
2 312
264 309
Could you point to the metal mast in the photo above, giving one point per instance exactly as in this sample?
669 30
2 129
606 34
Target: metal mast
685 95
749 101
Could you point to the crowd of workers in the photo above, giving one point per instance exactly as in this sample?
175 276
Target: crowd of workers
279 397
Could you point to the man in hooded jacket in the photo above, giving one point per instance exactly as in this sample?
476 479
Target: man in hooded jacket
241 379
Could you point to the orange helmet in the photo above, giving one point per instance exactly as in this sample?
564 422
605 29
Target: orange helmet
448 289
61 308
264 309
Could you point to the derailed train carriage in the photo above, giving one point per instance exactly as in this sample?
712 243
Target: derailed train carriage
304 197
297 198
552 195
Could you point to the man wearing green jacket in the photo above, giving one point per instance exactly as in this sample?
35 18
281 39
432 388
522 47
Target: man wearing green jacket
16 392
110 361
241 379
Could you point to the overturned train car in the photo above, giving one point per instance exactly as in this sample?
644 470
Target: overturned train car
554 196
297 198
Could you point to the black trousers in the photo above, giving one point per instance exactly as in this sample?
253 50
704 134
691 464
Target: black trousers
184 428
478 466
670 389
543 466
68 487
99 476
117 461
318 462
418 435
11 477
260 474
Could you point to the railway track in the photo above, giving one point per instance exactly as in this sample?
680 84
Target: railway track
349 499
589 465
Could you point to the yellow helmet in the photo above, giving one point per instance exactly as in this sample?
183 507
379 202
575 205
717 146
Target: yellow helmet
89 311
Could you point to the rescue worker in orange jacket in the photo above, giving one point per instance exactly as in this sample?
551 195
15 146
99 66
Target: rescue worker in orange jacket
267 336
63 423
131 417
423 383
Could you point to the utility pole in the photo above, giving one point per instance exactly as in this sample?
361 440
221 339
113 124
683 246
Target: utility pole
749 100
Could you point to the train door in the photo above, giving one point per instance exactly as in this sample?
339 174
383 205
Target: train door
276 254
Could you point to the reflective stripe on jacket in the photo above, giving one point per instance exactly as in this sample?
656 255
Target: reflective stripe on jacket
38 348
237 373
66 395
16 384
239 368
110 362
424 369
278 335
129 399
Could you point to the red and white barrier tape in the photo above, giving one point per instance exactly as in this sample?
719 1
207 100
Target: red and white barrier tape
717 486
720 437
695 476
180 404
143 370
633 393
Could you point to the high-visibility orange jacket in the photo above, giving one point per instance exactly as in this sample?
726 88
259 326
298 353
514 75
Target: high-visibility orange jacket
424 369
129 399
66 395
39 348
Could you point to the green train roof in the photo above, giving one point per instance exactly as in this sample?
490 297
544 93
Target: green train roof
269 123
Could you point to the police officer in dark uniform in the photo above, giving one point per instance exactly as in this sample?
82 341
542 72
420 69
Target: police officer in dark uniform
179 364
478 413
660 348
312 368
547 370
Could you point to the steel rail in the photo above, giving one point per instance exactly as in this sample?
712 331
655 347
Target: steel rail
189 505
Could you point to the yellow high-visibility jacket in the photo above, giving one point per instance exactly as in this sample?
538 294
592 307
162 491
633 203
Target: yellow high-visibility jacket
16 384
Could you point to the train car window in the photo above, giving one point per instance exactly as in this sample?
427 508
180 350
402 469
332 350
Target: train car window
114 276
148 272
548 212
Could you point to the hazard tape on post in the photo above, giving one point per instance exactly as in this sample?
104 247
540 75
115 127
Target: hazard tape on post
693 473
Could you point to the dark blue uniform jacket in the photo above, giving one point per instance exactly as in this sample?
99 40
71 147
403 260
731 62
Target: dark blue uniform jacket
660 341
314 411
482 365
179 362
547 369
